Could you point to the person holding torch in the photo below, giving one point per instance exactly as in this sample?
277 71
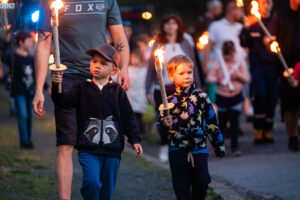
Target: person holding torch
82 26
188 124
264 83
285 27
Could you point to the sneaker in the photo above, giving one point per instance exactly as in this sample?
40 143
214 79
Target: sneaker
293 144
163 153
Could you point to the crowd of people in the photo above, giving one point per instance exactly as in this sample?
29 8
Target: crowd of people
236 69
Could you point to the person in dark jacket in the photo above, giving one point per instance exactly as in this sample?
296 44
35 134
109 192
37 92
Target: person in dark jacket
104 116
174 42
191 121
264 83
285 26
23 85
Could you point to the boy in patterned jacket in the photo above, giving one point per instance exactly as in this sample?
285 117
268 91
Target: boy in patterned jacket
191 121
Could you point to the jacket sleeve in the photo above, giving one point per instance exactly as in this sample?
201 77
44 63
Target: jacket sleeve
128 120
65 99
245 38
212 127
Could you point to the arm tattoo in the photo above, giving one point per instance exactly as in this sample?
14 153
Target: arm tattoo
44 35
119 46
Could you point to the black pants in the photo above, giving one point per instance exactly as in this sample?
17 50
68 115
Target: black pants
233 117
264 90
189 183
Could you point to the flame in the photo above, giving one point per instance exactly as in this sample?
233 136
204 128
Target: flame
239 3
286 74
159 54
151 43
203 40
4 1
254 9
57 4
274 46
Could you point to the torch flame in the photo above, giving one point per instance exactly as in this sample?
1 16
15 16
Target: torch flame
159 54
239 3
57 4
4 1
254 9
203 40
274 46
151 43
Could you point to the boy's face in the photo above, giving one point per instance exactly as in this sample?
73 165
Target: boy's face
27 44
100 67
182 76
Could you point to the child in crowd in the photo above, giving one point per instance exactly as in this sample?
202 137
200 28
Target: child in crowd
191 121
137 72
23 85
229 99
104 116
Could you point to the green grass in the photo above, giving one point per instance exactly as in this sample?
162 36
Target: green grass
19 177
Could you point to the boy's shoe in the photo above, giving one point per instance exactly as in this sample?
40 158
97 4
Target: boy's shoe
293 144
268 137
258 136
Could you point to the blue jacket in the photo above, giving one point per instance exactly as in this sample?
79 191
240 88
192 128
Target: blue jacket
194 120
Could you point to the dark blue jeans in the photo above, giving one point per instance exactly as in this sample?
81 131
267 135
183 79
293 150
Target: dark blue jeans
189 183
264 90
99 176
25 114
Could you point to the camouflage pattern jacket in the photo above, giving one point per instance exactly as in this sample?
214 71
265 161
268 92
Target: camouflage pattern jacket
194 120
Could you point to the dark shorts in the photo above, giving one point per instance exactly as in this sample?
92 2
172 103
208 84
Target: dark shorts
65 118
289 96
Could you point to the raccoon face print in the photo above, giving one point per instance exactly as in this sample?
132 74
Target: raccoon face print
92 132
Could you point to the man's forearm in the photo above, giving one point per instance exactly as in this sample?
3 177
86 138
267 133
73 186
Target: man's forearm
42 58
121 44
124 53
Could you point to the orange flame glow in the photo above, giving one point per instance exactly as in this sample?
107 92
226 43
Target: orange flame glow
57 4
274 46
203 41
4 1
151 43
254 9
159 54
239 3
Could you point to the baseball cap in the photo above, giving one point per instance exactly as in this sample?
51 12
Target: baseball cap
108 52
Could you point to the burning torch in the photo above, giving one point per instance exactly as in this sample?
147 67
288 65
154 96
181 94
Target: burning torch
55 7
158 55
274 45
203 41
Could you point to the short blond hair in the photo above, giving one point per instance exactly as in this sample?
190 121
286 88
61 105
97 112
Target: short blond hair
177 60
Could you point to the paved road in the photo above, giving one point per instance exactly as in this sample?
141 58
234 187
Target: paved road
262 172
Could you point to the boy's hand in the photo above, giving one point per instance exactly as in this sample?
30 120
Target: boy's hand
57 77
168 121
139 150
